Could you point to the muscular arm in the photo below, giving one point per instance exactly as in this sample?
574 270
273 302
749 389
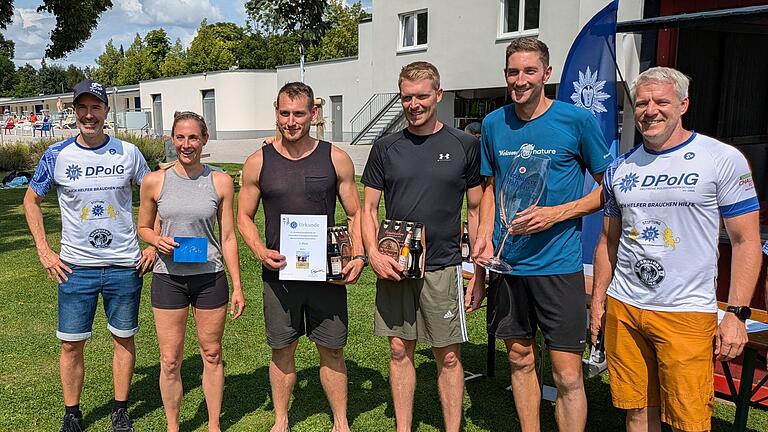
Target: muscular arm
54 267
247 205
476 287
537 219
226 191
604 266
350 200
474 197
744 233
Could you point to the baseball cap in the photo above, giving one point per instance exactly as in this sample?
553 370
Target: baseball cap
92 88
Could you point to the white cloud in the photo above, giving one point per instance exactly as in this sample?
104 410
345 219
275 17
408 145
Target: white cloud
170 12
30 31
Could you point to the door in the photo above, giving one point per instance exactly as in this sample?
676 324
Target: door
157 114
209 112
337 112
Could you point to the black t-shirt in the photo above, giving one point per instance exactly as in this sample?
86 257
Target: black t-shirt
424 179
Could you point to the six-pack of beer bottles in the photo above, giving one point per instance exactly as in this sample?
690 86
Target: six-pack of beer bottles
405 242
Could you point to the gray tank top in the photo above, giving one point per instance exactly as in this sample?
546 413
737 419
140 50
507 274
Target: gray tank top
188 208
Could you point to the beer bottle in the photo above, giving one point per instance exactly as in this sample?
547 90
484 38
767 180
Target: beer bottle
405 251
334 259
414 266
465 254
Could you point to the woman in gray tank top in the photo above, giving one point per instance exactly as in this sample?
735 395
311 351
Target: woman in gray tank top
188 199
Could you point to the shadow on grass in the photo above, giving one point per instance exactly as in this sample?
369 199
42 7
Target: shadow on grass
249 392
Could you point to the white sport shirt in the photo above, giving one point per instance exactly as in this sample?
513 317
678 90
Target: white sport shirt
94 190
670 204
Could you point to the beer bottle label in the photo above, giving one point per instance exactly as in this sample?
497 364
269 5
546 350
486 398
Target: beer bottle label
335 266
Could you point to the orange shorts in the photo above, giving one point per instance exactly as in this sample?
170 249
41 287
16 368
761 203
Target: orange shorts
662 359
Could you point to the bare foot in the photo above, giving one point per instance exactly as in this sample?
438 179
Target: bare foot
281 426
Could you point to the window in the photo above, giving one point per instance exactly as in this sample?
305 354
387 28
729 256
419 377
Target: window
519 17
413 30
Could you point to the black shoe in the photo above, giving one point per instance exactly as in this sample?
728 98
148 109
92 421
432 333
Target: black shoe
72 424
121 422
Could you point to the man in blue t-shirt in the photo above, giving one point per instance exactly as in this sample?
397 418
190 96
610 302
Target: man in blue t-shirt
546 287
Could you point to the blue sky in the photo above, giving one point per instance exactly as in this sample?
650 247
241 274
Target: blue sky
180 19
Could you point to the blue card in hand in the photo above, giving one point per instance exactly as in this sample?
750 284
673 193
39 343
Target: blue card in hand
191 250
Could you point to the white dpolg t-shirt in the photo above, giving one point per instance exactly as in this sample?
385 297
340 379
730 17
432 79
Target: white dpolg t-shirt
670 204
94 190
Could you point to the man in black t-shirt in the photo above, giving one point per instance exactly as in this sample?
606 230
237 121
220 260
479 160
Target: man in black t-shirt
424 172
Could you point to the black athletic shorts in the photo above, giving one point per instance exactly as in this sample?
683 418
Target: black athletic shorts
555 303
294 308
202 291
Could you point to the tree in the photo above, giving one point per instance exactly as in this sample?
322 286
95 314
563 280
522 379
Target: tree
157 44
27 82
214 47
260 51
7 68
110 62
306 19
74 75
175 62
138 64
75 21
341 38
53 79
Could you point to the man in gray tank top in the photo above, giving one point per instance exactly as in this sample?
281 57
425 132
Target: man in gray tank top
276 175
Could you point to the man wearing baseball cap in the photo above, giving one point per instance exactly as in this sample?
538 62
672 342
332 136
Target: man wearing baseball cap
93 175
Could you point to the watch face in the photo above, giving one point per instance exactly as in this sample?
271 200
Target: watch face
745 313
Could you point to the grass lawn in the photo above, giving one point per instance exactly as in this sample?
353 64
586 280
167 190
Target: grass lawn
31 396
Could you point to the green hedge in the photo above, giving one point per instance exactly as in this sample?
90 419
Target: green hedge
15 156
25 155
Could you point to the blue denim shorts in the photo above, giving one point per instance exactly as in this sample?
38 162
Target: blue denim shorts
120 289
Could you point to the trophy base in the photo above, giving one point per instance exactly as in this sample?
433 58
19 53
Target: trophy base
494 265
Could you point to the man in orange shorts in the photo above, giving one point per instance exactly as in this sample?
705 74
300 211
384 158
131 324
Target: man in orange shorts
656 262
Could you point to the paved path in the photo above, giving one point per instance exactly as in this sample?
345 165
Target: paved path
236 151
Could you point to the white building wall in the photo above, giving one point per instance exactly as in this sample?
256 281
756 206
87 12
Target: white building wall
465 42
331 78
243 100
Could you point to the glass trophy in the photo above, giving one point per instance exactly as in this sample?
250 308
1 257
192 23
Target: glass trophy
520 189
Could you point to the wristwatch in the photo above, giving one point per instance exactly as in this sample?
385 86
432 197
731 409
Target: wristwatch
742 312
362 258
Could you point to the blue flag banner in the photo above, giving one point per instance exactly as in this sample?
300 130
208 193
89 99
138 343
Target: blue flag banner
589 81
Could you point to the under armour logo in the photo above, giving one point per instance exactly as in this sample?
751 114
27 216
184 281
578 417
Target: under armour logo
444 157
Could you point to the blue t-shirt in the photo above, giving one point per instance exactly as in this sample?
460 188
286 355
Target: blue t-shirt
571 138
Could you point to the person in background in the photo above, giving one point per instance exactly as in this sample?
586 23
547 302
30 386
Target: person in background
473 129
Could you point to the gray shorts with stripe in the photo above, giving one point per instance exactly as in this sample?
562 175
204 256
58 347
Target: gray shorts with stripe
429 310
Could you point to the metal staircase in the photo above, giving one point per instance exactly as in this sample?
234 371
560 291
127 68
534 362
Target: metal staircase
376 117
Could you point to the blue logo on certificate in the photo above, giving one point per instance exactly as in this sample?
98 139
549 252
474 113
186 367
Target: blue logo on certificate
191 250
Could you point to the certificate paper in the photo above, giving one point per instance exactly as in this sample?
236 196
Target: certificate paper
304 243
